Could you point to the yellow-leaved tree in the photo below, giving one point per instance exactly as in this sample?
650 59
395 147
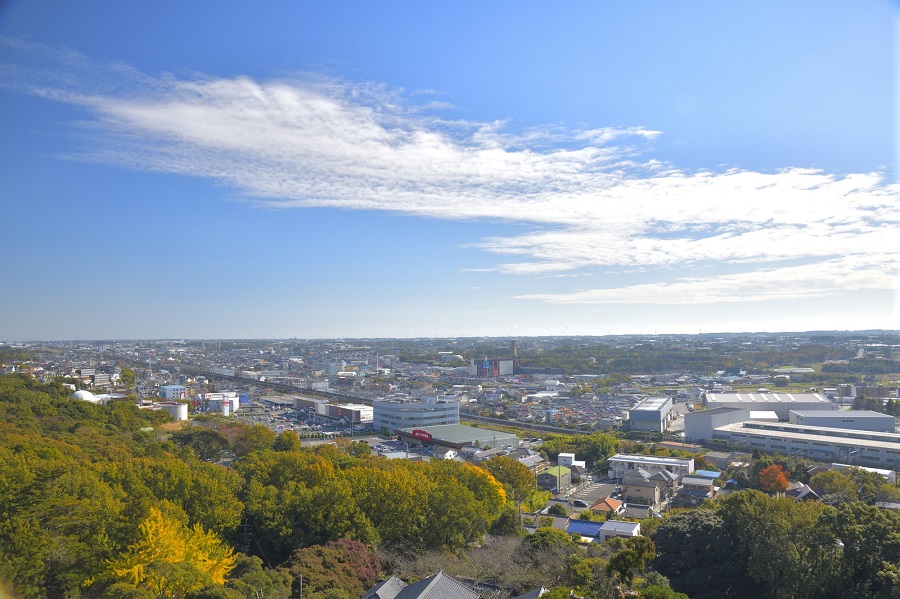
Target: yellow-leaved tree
171 559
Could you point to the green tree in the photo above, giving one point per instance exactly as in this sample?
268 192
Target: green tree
253 581
253 438
287 441
517 479
208 444
632 560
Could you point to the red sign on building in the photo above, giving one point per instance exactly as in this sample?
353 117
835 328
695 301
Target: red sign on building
423 435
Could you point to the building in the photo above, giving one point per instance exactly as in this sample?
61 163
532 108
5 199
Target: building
616 528
491 367
651 414
439 586
863 448
393 415
644 488
863 420
780 403
179 411
568 460
171 392
558 478
621 464
457 436
699 425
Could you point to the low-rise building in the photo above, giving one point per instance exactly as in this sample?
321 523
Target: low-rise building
621 464
558 478
617 528
651 414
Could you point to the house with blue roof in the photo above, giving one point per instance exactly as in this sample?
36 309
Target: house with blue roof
587 530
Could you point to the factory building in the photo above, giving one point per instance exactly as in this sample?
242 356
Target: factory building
863 420
651 414
856 447
780 403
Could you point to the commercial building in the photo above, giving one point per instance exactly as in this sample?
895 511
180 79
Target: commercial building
622 464
864 420
492 368
651 414
780 403
171 392
393 415
457 436
343 413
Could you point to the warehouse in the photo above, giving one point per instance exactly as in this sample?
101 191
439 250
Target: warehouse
651 414
780 403
863 420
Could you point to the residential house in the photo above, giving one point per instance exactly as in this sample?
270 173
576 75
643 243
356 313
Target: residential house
694 490
618 528
608 506
558 478
587 530
439 586
648 489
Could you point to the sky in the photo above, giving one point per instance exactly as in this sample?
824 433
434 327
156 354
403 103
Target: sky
438 169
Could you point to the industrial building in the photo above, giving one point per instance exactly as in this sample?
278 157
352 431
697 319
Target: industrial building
651 414
780 403
699 425
393 415
862 420
857 447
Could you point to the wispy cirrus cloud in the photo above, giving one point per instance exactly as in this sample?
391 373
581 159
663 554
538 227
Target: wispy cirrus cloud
596 197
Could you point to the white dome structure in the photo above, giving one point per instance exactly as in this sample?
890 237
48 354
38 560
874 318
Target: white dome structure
85 395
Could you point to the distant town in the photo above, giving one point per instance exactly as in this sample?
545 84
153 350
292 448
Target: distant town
608 437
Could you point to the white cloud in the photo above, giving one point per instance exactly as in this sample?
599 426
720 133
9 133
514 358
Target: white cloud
819 279
597 196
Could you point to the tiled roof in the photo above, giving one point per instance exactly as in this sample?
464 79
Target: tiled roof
386 589
439 586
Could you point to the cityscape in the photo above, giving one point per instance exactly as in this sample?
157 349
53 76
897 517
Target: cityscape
430 300
596 442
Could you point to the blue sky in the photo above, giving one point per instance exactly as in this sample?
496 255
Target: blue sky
303 169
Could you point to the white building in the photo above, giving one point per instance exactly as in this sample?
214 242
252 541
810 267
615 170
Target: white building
226 402
857 447
617 528
568 460
651 414
622 464
179 411
864 420
780 403
171 392
395 414
699 425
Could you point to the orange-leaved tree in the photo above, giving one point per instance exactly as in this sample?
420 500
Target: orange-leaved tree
773 479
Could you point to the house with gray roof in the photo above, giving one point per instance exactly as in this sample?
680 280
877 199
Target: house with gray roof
439 586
